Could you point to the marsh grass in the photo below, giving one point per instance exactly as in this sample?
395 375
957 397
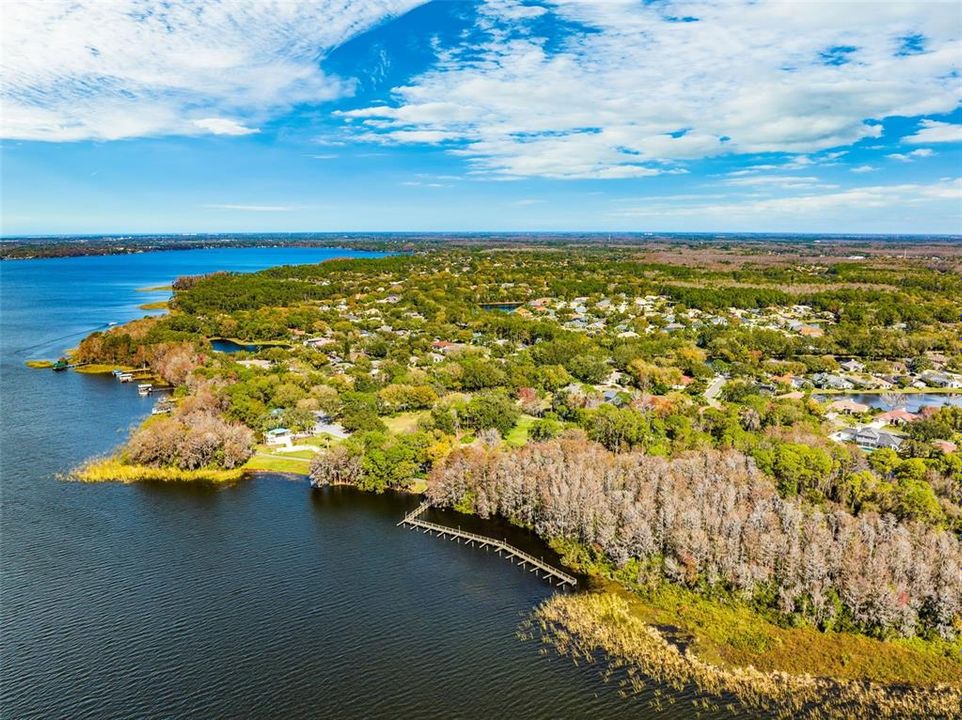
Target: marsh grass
587 626
39 364
114 470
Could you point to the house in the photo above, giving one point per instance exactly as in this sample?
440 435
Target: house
613 397
942 379
945 446
871 439
810 331
279 436
318 342
897 417
848 406
828 381
852 366
445 347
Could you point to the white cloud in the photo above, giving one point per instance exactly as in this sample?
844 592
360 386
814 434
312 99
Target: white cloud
108 69
933 131
224 126
250 208
778 181
862 169
630 88
913 155
843 202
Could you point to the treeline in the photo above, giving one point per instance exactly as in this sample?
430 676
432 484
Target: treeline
710 521
195 436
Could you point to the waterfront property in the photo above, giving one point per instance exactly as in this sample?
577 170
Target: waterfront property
868 438
279 436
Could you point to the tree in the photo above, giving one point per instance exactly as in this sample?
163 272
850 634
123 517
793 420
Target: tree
338 466
492 409
618 429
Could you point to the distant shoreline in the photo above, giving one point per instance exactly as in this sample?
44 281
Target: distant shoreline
820 245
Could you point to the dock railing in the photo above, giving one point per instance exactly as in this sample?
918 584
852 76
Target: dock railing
414 521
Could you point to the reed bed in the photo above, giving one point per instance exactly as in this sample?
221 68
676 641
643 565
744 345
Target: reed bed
113 470
588 626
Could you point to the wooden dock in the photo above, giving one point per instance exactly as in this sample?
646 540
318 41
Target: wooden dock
412 520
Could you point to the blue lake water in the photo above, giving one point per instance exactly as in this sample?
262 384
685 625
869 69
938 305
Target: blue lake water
913 402
266 599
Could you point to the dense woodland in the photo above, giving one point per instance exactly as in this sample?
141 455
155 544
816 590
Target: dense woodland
711 520
566 391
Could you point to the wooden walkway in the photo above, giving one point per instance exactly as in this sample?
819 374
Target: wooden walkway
412 520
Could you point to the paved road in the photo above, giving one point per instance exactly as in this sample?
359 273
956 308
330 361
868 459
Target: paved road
713 390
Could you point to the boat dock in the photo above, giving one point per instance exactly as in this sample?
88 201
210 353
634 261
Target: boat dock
412 520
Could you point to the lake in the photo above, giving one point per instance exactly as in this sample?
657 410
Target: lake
913 402
265 599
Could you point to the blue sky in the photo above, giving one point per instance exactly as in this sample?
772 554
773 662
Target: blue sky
368 115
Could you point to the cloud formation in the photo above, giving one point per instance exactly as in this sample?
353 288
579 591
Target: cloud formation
628 89
110 69
933 131
836 201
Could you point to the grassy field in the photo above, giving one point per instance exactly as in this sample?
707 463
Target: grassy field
99 369
112 470
518 435
403 422
264 460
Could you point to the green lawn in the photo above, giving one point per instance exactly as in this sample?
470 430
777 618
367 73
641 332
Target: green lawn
323 440
518 435
403 423
277 463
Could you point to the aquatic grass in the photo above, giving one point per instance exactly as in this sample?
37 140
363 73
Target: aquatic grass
729 632
159 305
112 469
604 625
39 364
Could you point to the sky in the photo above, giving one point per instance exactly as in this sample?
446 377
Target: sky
127 116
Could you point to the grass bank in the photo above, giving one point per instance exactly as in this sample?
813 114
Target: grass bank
113 470
159 305
619 627
155 288
101 369
39 364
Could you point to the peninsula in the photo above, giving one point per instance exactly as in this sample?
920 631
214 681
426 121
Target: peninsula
756 453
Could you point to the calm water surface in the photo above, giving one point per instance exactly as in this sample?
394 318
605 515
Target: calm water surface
267 599
913 402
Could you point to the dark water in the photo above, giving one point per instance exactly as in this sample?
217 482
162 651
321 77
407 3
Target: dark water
267 599
229 346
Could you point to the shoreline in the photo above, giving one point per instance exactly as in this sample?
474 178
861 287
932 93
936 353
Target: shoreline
584 626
